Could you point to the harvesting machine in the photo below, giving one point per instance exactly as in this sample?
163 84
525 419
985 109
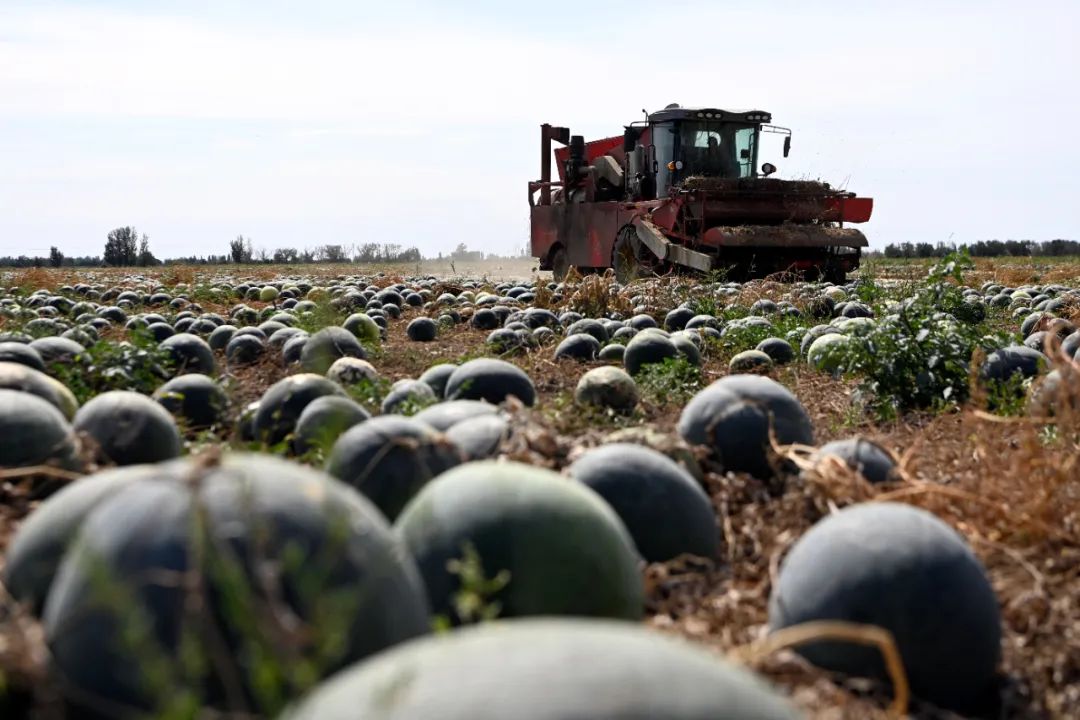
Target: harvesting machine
682 189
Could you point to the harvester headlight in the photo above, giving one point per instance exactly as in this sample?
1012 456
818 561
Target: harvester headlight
701 114
708 115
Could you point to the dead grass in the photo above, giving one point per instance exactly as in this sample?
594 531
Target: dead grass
595 295
508 269
1011 272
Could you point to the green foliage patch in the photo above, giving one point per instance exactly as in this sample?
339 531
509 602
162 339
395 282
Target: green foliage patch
675 380
919 355
137 365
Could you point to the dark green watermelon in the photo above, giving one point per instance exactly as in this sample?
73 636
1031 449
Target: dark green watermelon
565 549
550 669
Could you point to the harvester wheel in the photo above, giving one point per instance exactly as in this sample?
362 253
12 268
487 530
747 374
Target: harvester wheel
625 257
834 273
560 264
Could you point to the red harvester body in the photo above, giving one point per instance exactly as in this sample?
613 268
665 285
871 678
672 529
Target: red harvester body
682 189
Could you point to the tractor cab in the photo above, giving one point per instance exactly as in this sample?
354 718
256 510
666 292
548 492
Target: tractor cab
697 142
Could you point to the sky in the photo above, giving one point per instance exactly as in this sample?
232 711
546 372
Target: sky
416 122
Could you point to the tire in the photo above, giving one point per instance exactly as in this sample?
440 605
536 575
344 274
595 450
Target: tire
560 264
832 270
834 273
624 257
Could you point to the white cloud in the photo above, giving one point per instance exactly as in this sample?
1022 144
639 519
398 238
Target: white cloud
427 130
109 63
90 62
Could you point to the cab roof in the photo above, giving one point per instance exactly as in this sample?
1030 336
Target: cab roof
674 112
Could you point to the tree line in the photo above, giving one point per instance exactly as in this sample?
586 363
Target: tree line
124 247
242 252
985 248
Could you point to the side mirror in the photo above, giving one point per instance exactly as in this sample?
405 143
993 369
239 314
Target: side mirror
787 145
652 159
768 169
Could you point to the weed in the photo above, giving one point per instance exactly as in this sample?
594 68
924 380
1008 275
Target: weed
474 601
867 288
477 351
324 315
745 337
739 336
414 404
369 392
718 275
1008 397
920 357
281 449
137 365
566 416
597 296
675 380
706 305
731 312
544 297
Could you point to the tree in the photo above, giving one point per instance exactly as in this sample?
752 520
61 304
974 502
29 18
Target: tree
285 255
56 258
333 254
368 253
410 255
462 252
240 250
146 258
121 247
236 249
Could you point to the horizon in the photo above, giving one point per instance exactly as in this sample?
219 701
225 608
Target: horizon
417 124
990 248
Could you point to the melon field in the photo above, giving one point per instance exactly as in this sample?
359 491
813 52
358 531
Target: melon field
425 493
